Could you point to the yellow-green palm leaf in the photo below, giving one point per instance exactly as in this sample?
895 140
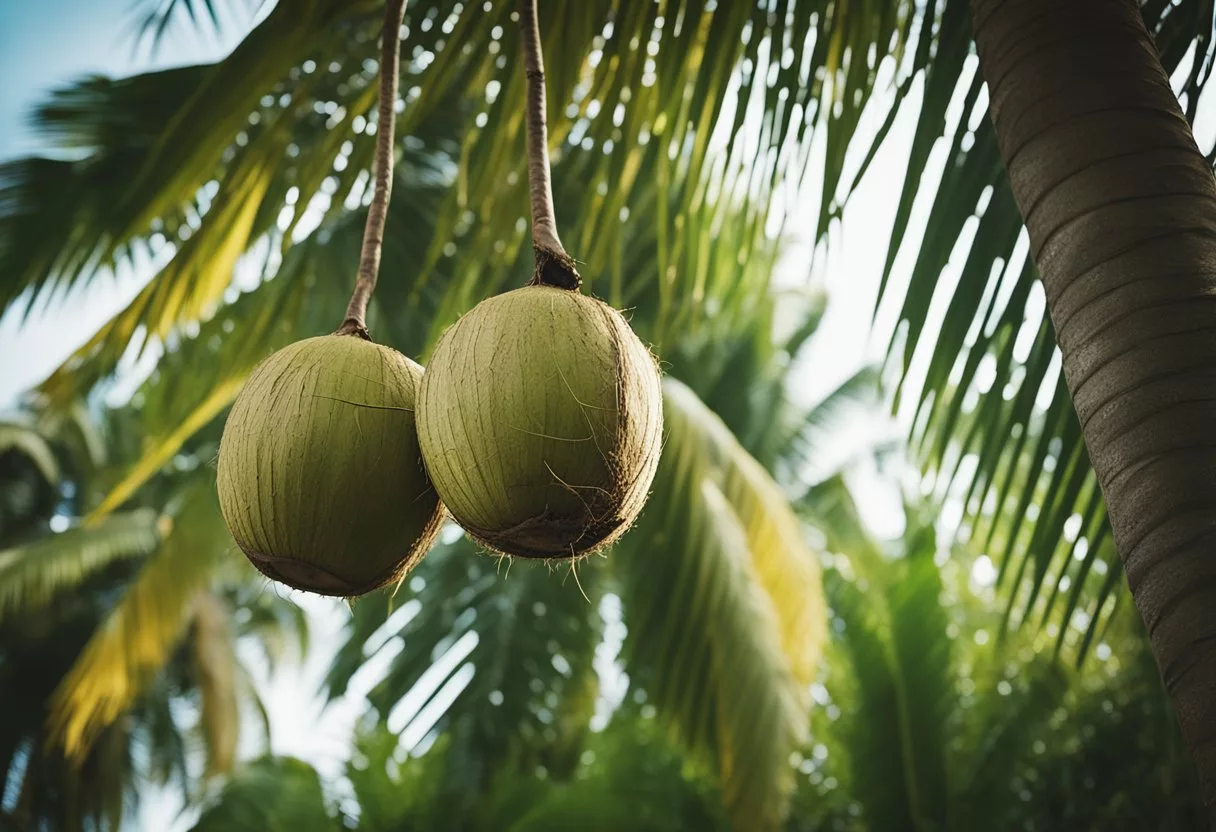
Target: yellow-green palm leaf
146 624
725 609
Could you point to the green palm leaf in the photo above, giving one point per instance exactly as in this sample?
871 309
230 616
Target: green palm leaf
192 143
874 736
633 778
898 728
31 575
30 442
190 285
99 787
829 507
493 652
923 755
1005 736
271 794
921 664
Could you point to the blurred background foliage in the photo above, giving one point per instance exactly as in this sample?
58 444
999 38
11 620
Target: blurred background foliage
749 657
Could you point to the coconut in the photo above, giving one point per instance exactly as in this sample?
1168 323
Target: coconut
540 419
320 477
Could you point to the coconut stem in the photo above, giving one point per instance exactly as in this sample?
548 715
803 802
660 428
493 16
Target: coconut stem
373 231
554 267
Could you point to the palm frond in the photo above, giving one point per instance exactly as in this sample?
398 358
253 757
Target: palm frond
402 794
921 662
874 731
657 801
33 574
145 626
784 564
60 221
855 393
1005 738
100 788
29 441
157 737
491 656
194 139
634 777
829 507
730 670
190 285
81 436
215 666
900 654
55 239
271 794
157 17
807 442
672 154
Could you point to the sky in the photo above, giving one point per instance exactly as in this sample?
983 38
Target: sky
48 43
45 44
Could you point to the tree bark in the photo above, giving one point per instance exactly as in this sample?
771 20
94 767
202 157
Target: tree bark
1121 210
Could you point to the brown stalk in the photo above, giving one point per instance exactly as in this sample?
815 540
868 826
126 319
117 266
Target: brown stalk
554 267
373 232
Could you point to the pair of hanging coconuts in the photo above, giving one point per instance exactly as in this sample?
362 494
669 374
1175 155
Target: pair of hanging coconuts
537 422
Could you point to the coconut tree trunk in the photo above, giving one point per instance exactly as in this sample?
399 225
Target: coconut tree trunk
1121 210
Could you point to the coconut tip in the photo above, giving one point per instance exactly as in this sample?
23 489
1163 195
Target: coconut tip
555 268
354 327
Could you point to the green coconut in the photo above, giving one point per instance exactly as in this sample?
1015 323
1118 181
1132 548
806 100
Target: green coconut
540 419
320 477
